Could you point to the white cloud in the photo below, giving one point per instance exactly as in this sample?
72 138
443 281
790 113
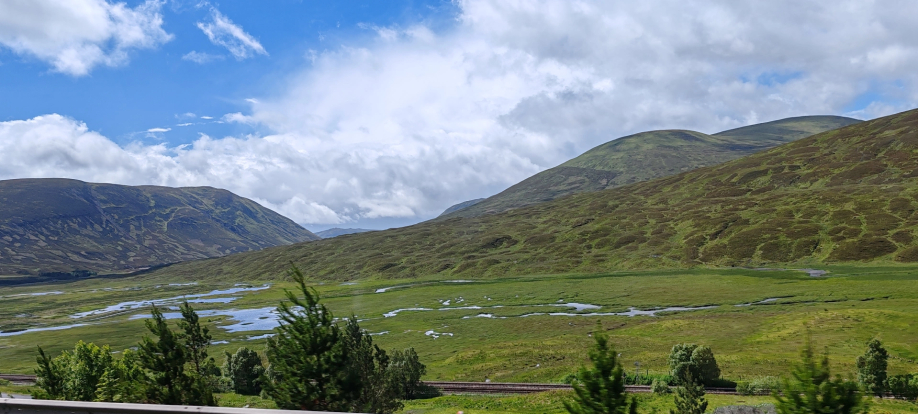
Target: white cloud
238 118
201 57
223 32
184 124
415 121
206 117
75 36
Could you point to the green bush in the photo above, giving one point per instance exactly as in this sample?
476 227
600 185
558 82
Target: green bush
4 382
243 370
660 387
693 360
904 387
758 386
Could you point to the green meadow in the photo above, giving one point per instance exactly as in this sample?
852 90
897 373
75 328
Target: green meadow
522 329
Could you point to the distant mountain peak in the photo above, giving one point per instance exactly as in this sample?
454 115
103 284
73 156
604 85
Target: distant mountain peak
56 225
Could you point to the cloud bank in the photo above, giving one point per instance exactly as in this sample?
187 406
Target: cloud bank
75 36
414 120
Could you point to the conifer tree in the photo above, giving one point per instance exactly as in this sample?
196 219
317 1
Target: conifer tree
601 390
380 393
164 359
203 369
811 389
50 378
871 368
689 397
308 356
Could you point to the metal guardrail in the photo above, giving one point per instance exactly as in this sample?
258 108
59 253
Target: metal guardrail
21 406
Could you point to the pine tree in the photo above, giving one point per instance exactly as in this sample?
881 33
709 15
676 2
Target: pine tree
601 390
196 339
871 368
50 378
689 397
164 359
308 356
380 393
812 390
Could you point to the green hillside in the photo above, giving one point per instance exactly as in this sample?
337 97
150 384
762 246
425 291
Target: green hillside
60 225
839 196
650 155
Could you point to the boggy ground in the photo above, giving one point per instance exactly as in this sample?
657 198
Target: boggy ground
527 329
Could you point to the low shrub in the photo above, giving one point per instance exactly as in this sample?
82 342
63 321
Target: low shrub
758 386
660 387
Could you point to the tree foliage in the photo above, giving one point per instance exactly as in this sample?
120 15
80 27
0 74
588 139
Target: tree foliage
693 360
73 376
406 370
811 389
308 357
601 389
871 368
689 397
244 370
124 381
371 364
903 386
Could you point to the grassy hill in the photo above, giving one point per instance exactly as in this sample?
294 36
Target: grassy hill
839 196
650 155
60 225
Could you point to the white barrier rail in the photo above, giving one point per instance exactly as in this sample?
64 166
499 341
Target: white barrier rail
22 406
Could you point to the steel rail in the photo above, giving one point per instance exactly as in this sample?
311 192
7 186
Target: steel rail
23 406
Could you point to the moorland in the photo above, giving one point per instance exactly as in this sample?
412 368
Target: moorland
720 255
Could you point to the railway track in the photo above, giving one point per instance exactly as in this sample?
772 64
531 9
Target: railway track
453 387
18 379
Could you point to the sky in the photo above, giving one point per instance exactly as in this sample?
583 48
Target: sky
378 114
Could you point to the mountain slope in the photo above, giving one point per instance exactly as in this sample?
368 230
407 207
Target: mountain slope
650 155
60 225
335 232
460 206
843 195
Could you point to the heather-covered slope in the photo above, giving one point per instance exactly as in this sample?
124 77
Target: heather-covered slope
650 155
843 195
60 225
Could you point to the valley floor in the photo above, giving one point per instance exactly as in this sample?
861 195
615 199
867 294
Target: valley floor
521 329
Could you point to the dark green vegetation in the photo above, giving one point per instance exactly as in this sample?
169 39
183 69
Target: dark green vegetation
315 364
57 226
462 205
335 232
846 195
601 389
811 389
649 155
690 363
244 370
169 368
871 368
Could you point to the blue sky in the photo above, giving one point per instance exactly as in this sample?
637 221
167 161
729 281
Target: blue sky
157 87
377 114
